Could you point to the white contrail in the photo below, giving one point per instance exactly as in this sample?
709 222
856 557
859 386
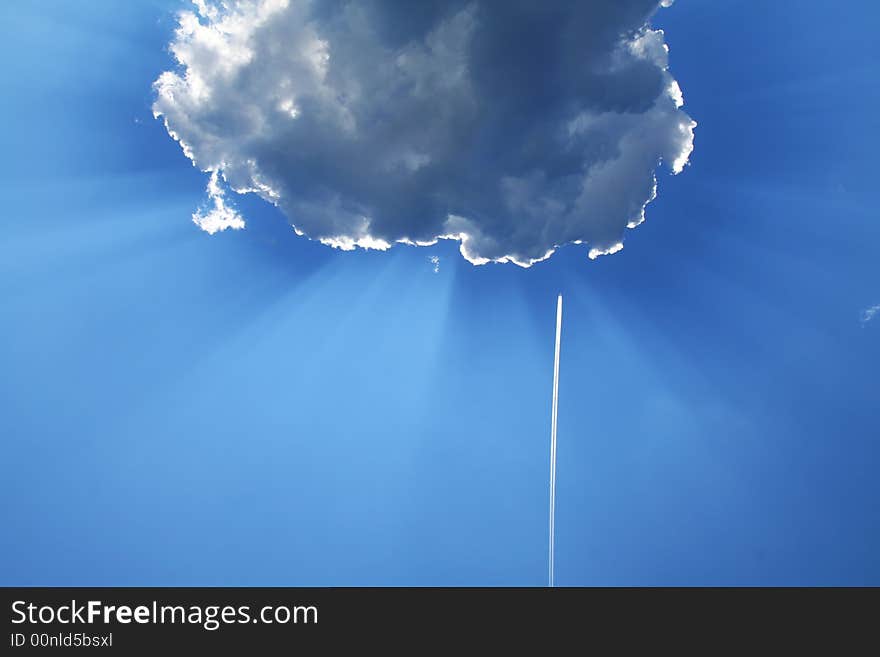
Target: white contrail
553 441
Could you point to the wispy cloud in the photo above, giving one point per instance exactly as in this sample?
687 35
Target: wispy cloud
869 313
435 261
219 216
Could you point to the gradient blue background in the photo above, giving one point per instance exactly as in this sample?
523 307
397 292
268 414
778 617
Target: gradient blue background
251 408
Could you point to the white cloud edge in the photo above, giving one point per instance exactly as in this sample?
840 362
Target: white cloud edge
218 216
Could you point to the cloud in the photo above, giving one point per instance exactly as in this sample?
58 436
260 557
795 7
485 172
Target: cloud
869 313
512 127
435 263
218 216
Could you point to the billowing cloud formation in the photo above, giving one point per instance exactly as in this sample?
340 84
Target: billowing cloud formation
514 127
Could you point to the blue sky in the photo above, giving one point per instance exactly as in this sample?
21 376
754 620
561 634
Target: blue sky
252 408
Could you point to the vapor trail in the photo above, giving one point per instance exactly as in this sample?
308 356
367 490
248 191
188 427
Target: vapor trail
553 441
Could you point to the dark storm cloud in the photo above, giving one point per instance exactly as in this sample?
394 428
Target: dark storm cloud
513 127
